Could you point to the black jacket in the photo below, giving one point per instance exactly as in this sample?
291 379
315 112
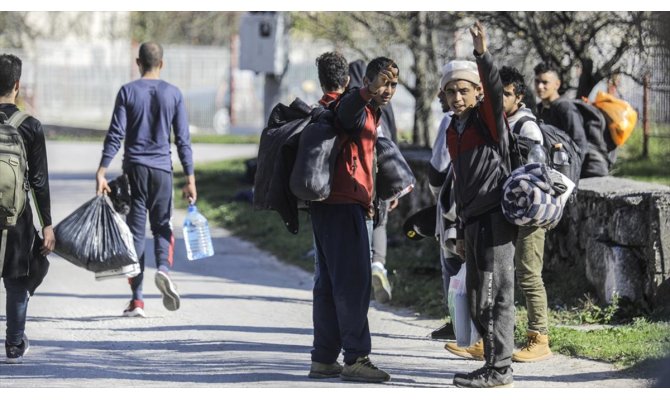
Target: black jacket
20 238
564 115
276 156
480 154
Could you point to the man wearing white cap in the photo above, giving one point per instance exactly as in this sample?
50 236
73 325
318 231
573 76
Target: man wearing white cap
478 141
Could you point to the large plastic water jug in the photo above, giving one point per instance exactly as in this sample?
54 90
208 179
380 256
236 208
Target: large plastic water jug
196 235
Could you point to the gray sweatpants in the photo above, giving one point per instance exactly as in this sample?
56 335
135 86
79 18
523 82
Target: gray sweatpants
489 258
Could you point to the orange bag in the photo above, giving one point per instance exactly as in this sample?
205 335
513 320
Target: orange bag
621 117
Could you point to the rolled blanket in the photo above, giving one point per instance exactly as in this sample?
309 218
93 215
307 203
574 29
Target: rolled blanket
535 195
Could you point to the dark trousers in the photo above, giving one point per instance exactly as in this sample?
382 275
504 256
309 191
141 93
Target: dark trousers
151 191
17 309
489 259
342 282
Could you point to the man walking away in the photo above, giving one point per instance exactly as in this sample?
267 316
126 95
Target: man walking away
145 111
16 242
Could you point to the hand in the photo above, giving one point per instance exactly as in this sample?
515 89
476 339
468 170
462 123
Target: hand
381 80
460 248
49 242
189 191
393 204
478 37
101 185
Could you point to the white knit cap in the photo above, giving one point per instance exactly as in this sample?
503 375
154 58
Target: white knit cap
459 70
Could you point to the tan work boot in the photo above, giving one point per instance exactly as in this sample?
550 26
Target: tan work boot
475 352
536 348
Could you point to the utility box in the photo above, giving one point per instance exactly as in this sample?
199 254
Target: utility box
263 42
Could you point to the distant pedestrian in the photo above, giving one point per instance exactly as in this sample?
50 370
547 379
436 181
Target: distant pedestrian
145 112
17 242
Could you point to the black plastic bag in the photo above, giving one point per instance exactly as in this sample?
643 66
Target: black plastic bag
92 237
120 194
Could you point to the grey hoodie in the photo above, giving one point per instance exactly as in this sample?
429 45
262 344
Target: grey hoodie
530 128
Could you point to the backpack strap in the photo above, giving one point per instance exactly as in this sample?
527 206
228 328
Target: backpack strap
519 124
3 247
17 119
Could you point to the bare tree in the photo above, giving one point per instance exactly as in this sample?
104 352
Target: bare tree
185 27
20 29
598 43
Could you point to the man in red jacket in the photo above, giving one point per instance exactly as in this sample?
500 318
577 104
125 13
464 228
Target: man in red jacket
342 281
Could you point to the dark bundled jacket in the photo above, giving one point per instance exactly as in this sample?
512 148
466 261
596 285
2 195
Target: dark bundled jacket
481 169
276 156
20 238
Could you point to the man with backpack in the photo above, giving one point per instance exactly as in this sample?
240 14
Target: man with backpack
343 283
478 143
529 244
145 112
18 236
569 116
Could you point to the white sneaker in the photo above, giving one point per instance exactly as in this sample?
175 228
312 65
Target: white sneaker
168 290
380 283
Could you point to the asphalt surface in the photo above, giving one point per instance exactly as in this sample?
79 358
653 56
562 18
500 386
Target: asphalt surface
244 321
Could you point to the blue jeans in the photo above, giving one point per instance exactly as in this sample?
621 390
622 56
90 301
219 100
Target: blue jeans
17 309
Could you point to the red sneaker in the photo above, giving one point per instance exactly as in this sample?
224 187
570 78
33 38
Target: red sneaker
135 309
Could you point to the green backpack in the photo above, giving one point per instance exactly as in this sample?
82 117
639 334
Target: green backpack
13 170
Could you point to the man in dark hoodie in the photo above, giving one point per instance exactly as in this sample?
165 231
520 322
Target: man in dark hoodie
16 243
478 141
381 286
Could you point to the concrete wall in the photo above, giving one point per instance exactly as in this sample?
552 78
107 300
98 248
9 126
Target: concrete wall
616 235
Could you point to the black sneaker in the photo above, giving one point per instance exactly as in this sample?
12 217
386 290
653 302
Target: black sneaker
445 332
15 353
486 377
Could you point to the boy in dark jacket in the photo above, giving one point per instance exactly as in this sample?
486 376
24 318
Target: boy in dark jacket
342 281
477 139
16 243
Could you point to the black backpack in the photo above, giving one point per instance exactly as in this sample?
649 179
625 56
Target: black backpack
550 136
598 159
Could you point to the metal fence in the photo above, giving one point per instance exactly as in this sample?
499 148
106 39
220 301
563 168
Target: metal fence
75 83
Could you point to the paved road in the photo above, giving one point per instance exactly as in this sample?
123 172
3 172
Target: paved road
245 319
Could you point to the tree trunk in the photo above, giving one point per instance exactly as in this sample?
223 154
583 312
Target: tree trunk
586 80
423 95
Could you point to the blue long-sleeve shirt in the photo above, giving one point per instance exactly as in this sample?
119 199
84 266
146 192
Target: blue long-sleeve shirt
144 112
